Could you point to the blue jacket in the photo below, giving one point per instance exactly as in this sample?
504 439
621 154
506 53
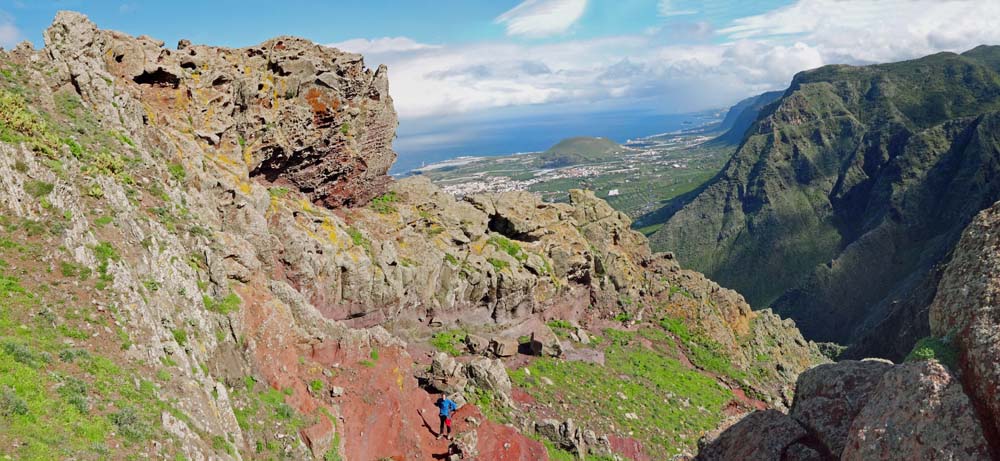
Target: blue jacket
446 406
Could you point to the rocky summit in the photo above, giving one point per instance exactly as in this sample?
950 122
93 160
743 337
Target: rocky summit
201 257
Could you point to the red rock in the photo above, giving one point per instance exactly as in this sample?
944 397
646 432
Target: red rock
319 437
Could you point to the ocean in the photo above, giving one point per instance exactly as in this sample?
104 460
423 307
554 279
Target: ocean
423 142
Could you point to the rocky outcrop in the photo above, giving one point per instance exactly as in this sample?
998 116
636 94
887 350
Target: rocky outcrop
868 410
288 111
965 313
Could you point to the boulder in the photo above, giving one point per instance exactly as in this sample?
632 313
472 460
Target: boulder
490 374
503 347
918 411
466 445
476 344
828 397
762 435
446 375
565 434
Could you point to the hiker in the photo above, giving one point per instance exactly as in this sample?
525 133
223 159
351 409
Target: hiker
447 407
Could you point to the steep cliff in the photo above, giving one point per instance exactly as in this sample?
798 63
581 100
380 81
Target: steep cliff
201 257
848 192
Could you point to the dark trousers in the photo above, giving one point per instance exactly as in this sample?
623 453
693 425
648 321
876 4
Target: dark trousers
443 425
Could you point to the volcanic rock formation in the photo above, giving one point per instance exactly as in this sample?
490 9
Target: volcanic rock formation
201 256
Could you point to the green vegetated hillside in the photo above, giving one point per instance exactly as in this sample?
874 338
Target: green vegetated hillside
579 150
847 192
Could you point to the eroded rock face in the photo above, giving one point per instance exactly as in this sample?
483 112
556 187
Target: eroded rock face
965 311
289 111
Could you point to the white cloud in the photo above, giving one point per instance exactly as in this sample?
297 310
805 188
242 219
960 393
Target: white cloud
542 18
10 35
666 9
381 45
865 31
757 54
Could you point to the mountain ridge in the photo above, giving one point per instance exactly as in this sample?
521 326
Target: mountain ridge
826 174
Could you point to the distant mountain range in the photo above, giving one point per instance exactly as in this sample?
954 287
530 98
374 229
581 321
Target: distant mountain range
847 192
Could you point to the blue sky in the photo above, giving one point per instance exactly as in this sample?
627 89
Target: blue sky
243 23
456 67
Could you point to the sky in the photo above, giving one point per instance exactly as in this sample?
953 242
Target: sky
458 65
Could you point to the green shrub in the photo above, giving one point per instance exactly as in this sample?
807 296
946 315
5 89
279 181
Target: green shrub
448 341
23 354
359 240
332 454
11 404
177 172
219 443
559 323
180 336
931 348
383 203
130 424
75 393
498 264
507 246
70 355
104 252
19 124
38 189
231 303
